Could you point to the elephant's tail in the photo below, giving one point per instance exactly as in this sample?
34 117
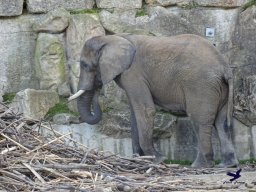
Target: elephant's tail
230 102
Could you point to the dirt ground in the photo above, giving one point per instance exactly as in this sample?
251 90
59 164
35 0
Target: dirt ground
213 180
30 161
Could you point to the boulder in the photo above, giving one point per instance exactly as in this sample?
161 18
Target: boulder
243 60
55 21
124 21
123 4
43 6
50 60
11 8
64 89
35 104
194 3
17 50
81 28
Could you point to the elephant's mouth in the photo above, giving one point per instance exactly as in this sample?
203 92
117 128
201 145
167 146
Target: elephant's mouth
88 106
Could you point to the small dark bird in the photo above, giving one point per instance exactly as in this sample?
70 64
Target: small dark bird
234 175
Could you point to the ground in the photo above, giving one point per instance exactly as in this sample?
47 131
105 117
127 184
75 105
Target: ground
31 161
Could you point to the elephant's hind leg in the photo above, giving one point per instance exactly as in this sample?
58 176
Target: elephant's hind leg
202 114
205 152
228 156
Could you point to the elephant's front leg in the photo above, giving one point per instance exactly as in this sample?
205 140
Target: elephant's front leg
143 108
145 122
135 136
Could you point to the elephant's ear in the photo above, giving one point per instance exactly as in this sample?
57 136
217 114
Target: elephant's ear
116 56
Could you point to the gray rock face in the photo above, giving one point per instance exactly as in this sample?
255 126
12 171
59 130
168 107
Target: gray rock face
50 61
17 50
242 140
64 89
177 141
11 8
253 131
55 21
243 59
119 4
124 21
174 21
35 103
194 3
245 99
81 28
65 119
43 6
221 3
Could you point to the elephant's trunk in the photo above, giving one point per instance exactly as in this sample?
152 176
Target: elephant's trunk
85 102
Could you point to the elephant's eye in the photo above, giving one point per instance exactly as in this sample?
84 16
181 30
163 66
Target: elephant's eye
85 66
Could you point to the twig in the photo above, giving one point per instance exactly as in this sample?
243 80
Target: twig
34 172
15 142
56 173
8 150
66 167
52 141
15 176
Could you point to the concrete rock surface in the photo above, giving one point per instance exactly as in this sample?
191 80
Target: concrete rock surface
34 104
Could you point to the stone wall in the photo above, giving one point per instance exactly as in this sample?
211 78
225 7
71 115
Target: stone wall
41 42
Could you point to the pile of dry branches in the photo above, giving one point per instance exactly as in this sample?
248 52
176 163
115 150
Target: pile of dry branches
32 162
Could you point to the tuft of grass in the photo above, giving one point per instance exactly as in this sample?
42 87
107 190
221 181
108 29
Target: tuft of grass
247 161
84 11
61 107
140 12
8 97
248 4
190 5
107 109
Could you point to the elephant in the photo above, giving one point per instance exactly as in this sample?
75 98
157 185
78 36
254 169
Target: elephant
184 75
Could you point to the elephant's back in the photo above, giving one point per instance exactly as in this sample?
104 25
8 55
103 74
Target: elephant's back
182 56
178 65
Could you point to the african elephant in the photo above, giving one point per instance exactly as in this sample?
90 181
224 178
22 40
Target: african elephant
183 74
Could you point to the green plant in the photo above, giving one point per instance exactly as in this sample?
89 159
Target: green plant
84 11
247 161
107 109
60 107
248 4
140 12
8 97
190 5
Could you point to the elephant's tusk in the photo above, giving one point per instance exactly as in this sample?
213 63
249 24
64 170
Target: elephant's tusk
76 95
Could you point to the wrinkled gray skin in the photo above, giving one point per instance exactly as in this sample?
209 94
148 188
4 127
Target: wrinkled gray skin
182 74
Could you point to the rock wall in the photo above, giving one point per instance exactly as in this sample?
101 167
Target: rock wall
41 42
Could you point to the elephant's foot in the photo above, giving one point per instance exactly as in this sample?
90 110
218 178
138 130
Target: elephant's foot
228 161
201 161
200 164
159 158
224 165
